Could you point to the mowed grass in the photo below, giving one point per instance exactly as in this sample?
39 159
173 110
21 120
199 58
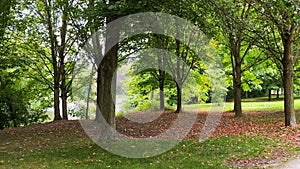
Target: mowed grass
72 151
64 145
252 104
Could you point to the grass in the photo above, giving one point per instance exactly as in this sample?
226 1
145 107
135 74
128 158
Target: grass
72 152
256 104
54 146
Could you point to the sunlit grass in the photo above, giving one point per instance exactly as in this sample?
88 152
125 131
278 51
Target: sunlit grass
256 104
67 149
78 153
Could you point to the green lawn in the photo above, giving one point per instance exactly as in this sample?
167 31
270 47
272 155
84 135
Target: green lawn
57 146
256 104
72 152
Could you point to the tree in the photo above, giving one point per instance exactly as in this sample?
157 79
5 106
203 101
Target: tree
106 67
231 19
60 27
182 70
4 16
271 77
18 104
177 62
5 21
19 94
140 90
281 26
158 63
160 74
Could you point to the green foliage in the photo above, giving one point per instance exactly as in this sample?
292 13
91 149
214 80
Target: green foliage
22 100
5 16
143 90
297 77
15 103
27 56
171 96
139 89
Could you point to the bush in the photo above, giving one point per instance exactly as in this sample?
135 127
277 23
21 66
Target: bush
15 110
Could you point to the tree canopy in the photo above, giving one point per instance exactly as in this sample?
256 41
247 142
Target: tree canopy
40 42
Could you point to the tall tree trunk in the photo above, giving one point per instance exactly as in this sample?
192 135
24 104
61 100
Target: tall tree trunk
87 104
288 82
57 115
161 75
161 78
159 43
106 91
89 95
161 96
64 103
56 73
64 97
161 81
237 97
179 98
63 90
178 78
270 95
277 94
236 61
237 87
56 89
106 81
62 47
152 94
106 88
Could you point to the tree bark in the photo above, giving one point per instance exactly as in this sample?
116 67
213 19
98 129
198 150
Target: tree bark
161 74
270 95
237 97
62 47
106 84
161 81
178 78
64 103
152 94
106 89
237 87
64 97
106 81
56 74
236 61
277 94
288 82
56 87
89 95
57 115
161 97
179 98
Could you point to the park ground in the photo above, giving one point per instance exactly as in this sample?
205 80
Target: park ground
259 139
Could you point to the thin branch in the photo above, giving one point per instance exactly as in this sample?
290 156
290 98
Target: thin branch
246 51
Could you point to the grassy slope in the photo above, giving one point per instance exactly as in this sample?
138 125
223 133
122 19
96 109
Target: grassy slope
64 145
84 154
